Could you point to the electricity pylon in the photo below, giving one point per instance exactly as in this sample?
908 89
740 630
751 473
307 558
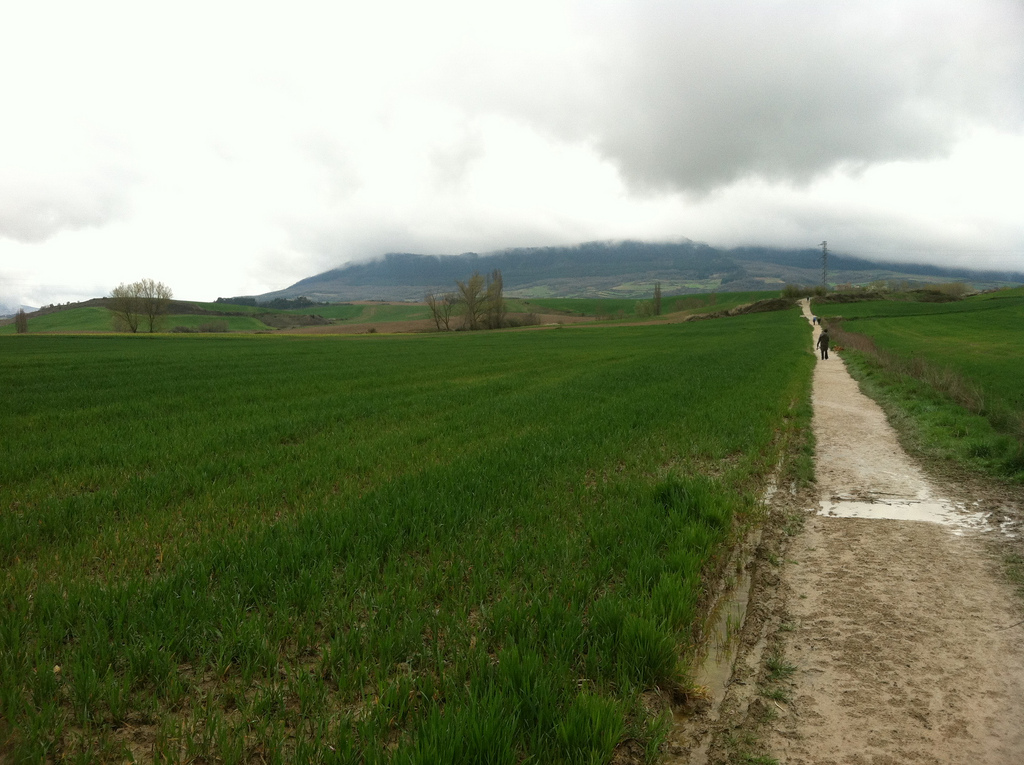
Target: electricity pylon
824 264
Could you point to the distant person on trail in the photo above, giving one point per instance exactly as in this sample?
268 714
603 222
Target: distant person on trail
823 339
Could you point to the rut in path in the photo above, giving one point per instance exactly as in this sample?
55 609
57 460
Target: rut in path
898 626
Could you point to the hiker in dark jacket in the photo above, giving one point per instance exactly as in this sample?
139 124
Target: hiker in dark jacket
823 339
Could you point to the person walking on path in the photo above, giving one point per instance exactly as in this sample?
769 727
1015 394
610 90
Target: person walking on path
823 339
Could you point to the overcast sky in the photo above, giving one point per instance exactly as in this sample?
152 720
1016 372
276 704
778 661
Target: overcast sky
234 148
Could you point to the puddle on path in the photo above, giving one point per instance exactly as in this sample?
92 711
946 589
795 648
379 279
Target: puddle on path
941 511
715 671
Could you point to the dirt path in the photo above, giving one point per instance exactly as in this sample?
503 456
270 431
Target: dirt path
896 628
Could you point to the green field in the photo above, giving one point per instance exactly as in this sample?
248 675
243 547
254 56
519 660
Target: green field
955 371
444 548
624 308
341 312
387 312
98 319
716 301
579 306
197 322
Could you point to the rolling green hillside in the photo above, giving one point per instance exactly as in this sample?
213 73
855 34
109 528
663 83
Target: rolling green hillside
195 316
83 319
196 323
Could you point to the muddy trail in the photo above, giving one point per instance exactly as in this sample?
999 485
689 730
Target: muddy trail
886 630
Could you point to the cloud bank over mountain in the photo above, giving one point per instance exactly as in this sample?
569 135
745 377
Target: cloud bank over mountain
233 148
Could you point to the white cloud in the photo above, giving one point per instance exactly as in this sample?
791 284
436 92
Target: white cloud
232 148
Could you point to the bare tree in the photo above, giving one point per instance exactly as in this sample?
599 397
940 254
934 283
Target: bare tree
434 304
140 303
449 300
21 322
471 294
155 298
441 308
657 298
495 300
126 306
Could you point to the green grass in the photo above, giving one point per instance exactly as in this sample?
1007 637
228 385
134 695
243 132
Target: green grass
984 348
950 372
580 306
334 310
753 759
96 319
384 549
86 319
387 312
234 323
778 668
718 301
773 685
875 309
626 308
341 312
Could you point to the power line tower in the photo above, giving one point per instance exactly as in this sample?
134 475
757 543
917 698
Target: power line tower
824 264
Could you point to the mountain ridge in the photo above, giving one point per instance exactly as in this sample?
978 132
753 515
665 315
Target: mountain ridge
616 269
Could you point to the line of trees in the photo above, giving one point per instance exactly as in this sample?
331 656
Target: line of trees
139 304
647 308
479 300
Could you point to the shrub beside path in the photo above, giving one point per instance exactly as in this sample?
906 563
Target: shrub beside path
899 630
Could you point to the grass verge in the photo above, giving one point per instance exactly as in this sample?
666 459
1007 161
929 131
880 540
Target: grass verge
941 412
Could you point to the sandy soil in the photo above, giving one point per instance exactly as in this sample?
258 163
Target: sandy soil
899 630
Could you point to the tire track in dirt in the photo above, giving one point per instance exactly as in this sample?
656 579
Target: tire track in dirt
897 629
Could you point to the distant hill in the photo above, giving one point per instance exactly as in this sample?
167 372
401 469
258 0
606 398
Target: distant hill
615 269
8 311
